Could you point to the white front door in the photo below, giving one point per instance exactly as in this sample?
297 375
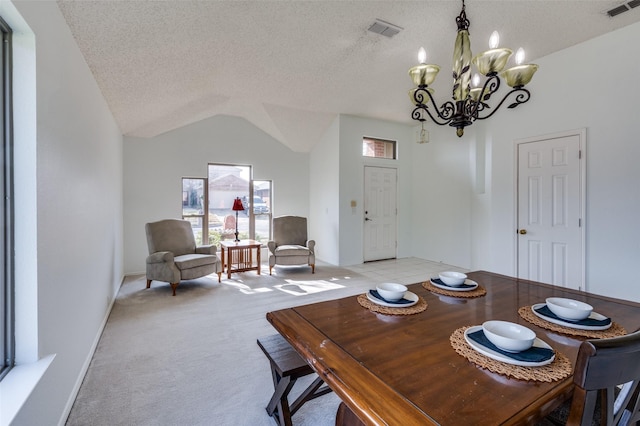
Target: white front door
380 213
551 209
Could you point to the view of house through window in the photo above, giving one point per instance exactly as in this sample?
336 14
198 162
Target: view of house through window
226 183
262 209
208 204
194 198
379 148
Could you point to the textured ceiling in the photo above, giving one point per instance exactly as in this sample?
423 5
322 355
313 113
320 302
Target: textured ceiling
289 67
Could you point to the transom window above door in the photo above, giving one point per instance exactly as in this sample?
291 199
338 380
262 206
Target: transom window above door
379 148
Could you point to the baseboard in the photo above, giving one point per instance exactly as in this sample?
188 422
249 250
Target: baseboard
87 362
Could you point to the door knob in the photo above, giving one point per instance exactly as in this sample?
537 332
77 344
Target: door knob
523 231
366 218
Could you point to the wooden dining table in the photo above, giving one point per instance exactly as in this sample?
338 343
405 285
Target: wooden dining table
403 370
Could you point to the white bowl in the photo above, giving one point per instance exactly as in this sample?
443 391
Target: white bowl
508 336
453 279
569 309
391 291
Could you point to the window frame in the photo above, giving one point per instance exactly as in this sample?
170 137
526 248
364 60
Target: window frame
387 144
269 214
7 284
203 217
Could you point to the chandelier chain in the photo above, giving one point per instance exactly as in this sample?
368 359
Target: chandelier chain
461 20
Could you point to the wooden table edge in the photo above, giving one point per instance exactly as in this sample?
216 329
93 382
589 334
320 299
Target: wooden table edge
320 352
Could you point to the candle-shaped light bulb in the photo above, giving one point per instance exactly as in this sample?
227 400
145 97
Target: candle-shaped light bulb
494 40
520 56
422 56
475 80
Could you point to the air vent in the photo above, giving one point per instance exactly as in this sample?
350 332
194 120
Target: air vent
617 10
384 28
623 8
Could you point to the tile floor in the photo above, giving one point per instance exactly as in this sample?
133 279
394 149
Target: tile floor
407 270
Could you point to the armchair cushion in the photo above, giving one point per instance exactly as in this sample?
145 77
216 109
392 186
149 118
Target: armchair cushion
291 250
187 261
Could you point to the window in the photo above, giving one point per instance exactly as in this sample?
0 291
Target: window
262 209
6 212
226 183
379 148
194 200
208 204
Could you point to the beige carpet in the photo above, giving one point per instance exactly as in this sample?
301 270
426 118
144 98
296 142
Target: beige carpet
193 359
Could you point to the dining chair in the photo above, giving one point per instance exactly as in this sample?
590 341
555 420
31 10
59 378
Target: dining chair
606 380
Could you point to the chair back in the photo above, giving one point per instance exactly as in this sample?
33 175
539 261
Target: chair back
172 235
601 366
290 230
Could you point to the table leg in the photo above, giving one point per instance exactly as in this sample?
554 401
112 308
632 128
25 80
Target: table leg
230 262
258 250
346 417
222 254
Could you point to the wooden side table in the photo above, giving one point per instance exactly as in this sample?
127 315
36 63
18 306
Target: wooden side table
239 257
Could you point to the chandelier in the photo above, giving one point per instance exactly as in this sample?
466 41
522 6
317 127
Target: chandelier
470 97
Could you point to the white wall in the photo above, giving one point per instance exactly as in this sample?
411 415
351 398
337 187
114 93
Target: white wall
154 168
324 191
77 188
352 130
441 203
592 85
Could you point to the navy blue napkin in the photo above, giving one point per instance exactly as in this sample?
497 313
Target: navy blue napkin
440 282
590 322
533 354
402 301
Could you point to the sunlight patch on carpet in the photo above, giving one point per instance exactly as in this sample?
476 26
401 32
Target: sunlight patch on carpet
246 289
302 288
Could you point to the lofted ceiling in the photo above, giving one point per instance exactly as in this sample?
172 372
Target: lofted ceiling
289 67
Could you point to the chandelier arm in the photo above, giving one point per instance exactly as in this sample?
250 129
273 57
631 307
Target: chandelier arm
418 95
447 108
491 86
473 108
418 115
522 97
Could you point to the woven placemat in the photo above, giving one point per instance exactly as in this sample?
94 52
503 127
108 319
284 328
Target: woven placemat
476 292
613 331
559 369
409 310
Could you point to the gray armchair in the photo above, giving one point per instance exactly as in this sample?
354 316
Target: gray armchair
173 255
290 245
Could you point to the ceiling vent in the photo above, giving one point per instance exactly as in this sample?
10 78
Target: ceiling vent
623 8
387 29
